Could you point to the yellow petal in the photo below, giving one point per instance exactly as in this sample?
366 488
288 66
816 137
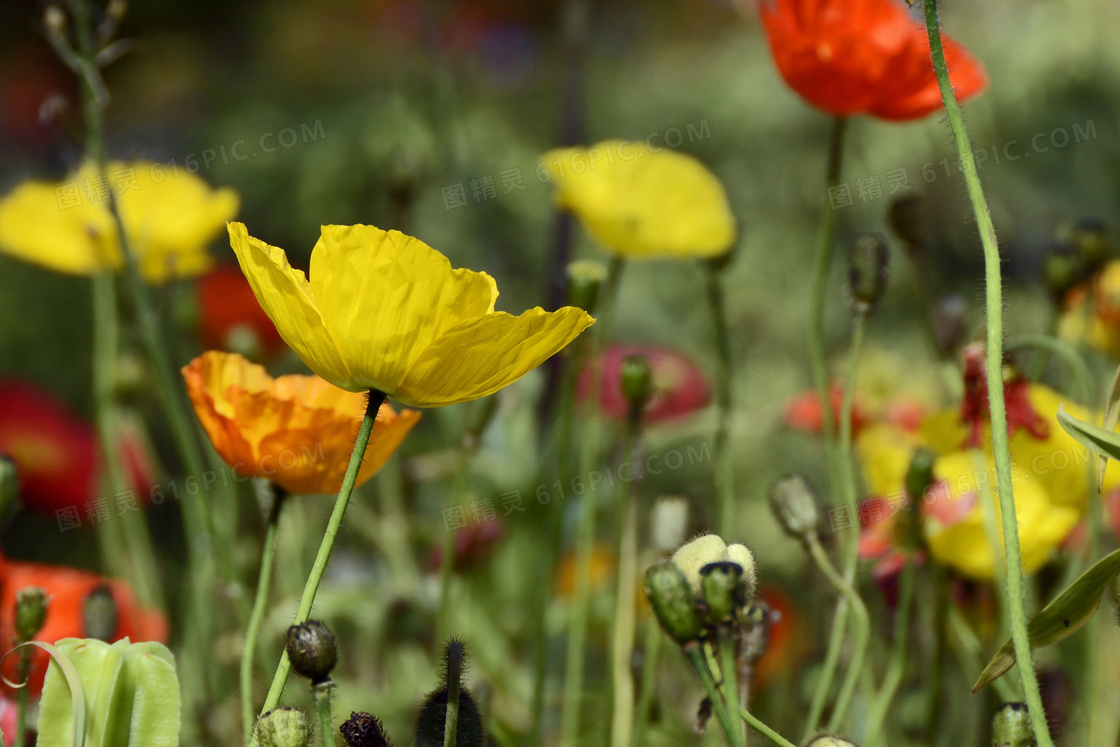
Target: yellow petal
480 356
642 203
285 295
385 297
39 224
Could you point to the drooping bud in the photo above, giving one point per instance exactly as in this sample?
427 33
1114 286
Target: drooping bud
1063 268
673 602
795 505
100 615
637 381
668 523
741 554
31 611
723 590
867 276
908 219
282 727
1011 726
364 730
827 740
691 557
312 650
1090 239
585 278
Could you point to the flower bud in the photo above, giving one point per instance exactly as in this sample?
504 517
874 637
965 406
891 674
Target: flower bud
312 651
673 602
827 740
1063 269
282 727
1090 239
585 278
919 479
908 220
795 505
31 611
668 522
741 554
637 381
99 614
867 275
723 590
691 557
1011 726
364 730
9 483
950 321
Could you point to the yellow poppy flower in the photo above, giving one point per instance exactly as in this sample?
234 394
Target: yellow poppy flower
297 431
954 525
67 227
384 311
641 204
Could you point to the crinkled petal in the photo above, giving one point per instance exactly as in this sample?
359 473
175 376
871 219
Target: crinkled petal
480 356
286 297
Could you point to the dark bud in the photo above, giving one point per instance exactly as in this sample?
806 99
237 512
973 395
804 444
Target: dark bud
1064 268
637 381
907 217
795 505
672 601
433 718
867 274
364 730
724 591
950 322
1090 239
31 611
312 651
100 614
585 278
1011 726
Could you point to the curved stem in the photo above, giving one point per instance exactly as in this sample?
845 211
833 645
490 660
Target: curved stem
994 292
764 730
311 588
724 474
694 652
260 603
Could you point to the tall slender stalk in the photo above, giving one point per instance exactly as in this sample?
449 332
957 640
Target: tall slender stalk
260 603
724 473
897 665
998 407
311 588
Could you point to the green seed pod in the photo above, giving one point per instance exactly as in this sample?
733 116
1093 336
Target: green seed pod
282 727
908 220
1011 726
694 555
364 730
585 278
637 381
673 602
795 504
31 611
867 274
99 613
827 740
1090 239
724 591
312 650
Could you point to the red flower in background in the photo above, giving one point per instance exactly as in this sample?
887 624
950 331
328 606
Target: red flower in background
863 57
227 307
67 590
679 386
804 412
55 451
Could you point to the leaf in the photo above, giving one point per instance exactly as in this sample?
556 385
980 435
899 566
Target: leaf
1107 441
1111 418
73 683
1061 618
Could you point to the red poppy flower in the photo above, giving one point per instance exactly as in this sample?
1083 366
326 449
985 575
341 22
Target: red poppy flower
67 590
679 386
56 452
804 412
228 307
863 57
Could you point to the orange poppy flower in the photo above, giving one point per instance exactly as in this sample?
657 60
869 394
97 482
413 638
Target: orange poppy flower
67 590
297 431
863 57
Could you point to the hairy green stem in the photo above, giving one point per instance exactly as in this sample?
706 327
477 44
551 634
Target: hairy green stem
256 617
727 667
998 407
451 716
311 588
322 693
695 653
724 472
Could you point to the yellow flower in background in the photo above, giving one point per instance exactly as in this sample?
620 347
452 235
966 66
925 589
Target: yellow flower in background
384 311
640 203
67 227
297 431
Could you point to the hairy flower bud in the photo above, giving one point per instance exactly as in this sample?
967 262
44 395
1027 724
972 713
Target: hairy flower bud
1011 726
31 611
694 555
795 505
867 275
741 554
723 590
908 220
311 648
282 727
827 740
585 278
364 730
673 602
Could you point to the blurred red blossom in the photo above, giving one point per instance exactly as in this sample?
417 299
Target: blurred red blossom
680 388
227 307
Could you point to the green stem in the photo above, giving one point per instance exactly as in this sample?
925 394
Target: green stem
727 667
451 716
622 641
256 617
828 668
648 689
861 629
311 588
724 473
322 691
764 730
878 712
940 605
998 407
447 559
971 653
695 653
